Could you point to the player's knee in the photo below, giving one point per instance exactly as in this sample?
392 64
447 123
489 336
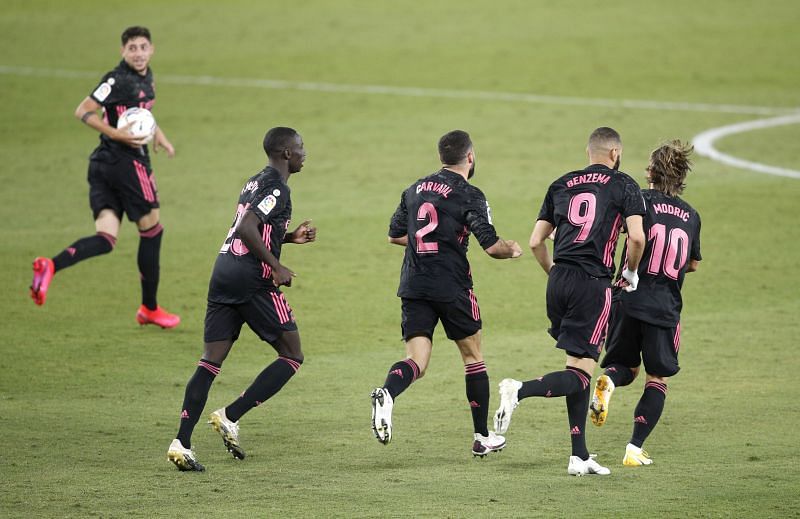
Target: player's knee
634 372
107 242
152 231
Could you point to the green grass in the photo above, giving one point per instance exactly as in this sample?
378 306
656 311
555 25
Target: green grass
90 401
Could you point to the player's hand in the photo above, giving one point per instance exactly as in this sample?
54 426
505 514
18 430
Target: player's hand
304 233
516 250
282 276
124 136
161 141
632 279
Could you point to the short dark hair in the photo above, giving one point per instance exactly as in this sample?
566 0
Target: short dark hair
278 139
604 138
134 32
454 146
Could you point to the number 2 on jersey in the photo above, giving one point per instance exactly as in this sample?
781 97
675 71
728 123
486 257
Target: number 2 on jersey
427 211
678 242
581 213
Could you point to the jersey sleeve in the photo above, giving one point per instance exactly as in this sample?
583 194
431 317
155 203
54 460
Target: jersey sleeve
632 199
109 91
694 253
547 211
398 225
478 216
268 200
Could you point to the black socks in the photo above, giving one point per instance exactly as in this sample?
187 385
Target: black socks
85 248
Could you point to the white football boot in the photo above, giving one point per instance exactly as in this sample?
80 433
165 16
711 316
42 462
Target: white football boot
483 445
636 456
579 467
508 402
382 404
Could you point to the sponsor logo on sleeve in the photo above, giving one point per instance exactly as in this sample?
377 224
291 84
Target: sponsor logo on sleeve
267 204
489 213
102 91
276 192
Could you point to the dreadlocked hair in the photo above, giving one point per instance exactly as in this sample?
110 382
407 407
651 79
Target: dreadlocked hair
669 165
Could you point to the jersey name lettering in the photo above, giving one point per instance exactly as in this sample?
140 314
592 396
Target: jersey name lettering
663 208
589 178
436 187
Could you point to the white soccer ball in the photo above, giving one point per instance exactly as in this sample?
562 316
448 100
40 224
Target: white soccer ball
143 124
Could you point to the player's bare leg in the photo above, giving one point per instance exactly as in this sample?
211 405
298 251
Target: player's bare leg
477 387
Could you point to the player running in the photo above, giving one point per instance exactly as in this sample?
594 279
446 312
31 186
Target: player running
645 325
245 288
120 178
433 222
586 209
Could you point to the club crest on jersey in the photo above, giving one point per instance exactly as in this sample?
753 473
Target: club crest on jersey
267 204
102 91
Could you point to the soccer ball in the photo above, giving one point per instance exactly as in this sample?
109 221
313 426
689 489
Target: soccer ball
143 124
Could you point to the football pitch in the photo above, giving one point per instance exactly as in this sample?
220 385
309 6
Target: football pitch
89 401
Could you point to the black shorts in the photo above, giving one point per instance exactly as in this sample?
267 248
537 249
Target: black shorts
120 182
461 318
630 341
267 314
578 306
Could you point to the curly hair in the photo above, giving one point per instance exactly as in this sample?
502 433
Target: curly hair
669 165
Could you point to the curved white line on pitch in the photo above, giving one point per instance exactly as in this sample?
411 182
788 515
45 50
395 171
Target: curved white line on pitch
704 144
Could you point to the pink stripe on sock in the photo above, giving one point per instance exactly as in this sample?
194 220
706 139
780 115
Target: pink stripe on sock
210 367
414 369
477 367
152 232
293 363
110 239
584 380
657 385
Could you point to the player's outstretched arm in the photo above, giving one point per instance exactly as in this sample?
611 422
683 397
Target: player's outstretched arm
304 233
540 233
248 232
402 240
504 249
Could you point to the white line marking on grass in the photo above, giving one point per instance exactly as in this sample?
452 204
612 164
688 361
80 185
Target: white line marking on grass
704 144
344 88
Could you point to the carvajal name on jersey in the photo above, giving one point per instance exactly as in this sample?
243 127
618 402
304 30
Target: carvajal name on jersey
250 186
436 187
589 178
663 208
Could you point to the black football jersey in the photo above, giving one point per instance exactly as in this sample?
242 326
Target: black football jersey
438 213
588 208
120 89
672 229
238 274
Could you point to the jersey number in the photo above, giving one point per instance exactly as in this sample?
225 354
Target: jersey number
236 246
581 214
677 250
427 211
